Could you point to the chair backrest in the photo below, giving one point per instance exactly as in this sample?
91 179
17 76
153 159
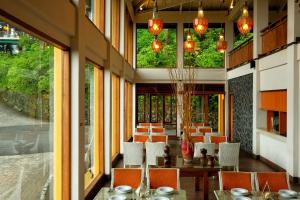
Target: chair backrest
210 147
157 124
276 180
140 138
142 130
158 177
197 138
158 131
154 150
218 139
134 177
229 180
229 154
191 129
145 124
208 135
197 134
205 130
198 124
133 153
159 138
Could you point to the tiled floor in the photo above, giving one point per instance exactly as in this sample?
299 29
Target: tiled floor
246 164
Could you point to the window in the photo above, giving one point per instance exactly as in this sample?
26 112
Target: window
115 113
128 111
115 24
33 79
128 38
93 138
146 58
95 11
205 54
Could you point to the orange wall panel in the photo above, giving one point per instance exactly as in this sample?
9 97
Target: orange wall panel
274 100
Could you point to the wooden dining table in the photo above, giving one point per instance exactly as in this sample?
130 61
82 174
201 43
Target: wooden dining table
194 169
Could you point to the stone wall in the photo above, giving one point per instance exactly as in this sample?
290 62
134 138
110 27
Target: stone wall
241 88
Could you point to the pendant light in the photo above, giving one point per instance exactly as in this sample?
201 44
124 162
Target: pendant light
200 22
221 44
245 22
155 25
189 44
156 45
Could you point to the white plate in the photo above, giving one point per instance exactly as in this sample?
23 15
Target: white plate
241 198
123 189
164 190
287 193
160 198
117 197
239 192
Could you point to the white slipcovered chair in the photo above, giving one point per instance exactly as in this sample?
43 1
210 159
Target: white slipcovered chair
133 153
210 147
207 136
154 150
229 155
196 134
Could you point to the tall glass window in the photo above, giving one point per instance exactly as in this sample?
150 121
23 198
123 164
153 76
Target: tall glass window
30 116
115 114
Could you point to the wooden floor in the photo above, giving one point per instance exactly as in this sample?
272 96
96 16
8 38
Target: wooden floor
246 164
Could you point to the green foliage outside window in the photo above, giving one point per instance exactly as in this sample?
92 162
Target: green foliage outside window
240 39
146 58
205 55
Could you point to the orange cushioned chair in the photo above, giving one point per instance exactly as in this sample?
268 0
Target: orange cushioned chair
229 180
205 130
159 138
157 124
127 176
142 130
144 124
276 180
159 177
140 138
217 139
192 130
160 131
197 124
197 138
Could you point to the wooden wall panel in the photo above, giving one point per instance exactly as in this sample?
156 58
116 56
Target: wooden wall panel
241 55
274 100
115 24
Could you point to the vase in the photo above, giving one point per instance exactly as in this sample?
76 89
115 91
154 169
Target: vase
187 151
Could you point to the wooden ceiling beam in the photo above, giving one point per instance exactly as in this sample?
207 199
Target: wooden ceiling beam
130 9
236 11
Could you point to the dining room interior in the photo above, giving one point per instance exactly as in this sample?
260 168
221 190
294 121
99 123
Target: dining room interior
149 99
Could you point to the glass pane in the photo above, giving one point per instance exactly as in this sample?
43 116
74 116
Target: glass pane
26 115
197 105
213 111
89 118
154 108
205 55
146 58
89 9
141 111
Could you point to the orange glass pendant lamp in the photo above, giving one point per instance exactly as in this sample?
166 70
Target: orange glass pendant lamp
245 22
156 45
189 44
200 23
155 25
221 44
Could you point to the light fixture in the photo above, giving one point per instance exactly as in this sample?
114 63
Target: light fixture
232 4
189 44
141 8
200 22
245 22
221 44
156 45
155 25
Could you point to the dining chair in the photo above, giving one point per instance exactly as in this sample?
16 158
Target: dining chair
157 131
197 138
140 138
198 124
210 147
145 124
205 130
208 135
159 138
154 150
132 177
218 139
192 130
133 153
276 180
158 177
156 124
229 180
142 130
229 155
196 134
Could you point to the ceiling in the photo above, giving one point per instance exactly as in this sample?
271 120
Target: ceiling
142 6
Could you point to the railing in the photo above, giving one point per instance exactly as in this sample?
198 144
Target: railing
241 54
274 36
